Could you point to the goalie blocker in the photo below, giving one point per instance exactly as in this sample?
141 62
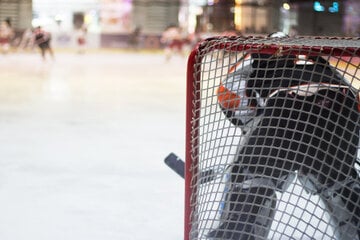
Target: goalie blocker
298 115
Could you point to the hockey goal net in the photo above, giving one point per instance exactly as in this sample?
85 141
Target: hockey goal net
272 139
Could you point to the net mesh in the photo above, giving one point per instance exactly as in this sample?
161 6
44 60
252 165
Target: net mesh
273 139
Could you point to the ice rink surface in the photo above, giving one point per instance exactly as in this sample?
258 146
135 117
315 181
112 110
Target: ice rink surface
83 140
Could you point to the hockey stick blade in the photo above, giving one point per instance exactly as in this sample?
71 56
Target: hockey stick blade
178 166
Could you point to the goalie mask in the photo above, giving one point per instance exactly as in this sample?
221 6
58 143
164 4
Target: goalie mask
232 94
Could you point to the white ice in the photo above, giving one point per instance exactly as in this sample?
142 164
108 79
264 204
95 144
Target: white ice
82 144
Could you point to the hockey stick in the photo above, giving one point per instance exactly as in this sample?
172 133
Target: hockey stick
178 166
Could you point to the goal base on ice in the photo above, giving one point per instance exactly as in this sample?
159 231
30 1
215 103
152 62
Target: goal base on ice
276 123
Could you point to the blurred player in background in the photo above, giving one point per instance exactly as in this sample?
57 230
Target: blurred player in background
134 38
6 34
81 39
174 41
27 40
43 39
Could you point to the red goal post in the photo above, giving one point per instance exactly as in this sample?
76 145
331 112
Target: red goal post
212 141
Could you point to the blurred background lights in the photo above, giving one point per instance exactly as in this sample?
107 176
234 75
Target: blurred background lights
334 8
318 7
286 6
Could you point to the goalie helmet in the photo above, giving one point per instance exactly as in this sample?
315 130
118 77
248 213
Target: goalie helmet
243 100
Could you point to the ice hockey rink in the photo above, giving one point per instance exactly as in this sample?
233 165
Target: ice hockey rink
83 141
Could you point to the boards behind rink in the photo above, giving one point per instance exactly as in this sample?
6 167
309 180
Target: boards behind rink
215 140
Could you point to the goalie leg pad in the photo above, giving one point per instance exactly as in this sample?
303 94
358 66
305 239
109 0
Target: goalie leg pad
343 204
249 214
342 201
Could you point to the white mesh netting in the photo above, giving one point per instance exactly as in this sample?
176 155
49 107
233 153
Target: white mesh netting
274 138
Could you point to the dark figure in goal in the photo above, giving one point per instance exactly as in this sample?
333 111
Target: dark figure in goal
299 116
